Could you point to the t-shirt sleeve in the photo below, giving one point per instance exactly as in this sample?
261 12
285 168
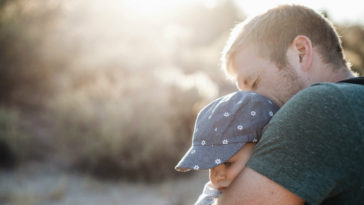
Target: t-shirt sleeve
304 147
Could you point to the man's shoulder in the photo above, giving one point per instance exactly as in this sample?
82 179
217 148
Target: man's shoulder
317 128
331 88
332 93
323 109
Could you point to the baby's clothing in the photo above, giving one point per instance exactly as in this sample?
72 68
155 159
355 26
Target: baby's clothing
222 128
209 195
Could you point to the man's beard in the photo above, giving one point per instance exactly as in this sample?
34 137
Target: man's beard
294 83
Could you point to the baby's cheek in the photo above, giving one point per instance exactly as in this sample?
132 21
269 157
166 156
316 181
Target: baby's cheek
213 184
212 181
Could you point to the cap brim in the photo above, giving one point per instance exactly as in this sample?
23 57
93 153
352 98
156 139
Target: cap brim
207 157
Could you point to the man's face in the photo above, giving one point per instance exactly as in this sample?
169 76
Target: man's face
259 74
224 174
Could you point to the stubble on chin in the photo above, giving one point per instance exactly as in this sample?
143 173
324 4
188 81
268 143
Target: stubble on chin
293 83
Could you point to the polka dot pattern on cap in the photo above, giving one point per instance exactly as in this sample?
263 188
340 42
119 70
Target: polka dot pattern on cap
224 126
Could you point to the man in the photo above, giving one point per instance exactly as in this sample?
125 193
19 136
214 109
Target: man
312 150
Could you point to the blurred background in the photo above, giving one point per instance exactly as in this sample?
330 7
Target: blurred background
98 98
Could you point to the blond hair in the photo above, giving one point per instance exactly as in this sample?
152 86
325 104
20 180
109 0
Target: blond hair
273 32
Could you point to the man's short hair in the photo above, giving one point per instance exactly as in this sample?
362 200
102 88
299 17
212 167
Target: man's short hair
273 32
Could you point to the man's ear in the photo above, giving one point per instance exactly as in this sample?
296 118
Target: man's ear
302 46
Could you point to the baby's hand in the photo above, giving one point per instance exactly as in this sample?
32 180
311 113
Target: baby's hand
209 195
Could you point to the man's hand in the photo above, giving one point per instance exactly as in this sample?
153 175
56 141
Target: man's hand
251 188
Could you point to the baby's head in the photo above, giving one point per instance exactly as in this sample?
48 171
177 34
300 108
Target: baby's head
222 175
221 130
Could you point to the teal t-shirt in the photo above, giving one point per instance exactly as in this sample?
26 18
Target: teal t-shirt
314 145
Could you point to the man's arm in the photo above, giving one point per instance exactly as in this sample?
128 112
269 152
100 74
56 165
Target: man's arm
251 188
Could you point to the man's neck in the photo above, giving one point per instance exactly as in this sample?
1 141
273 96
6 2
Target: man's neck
341 74
335 75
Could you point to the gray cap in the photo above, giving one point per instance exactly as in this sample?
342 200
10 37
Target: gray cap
224 126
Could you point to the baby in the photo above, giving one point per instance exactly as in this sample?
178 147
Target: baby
222 129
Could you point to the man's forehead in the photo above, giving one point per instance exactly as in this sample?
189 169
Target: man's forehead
244 56
244 66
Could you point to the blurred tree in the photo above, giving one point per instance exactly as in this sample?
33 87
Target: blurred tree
26 74
101 75
28 71
3 3
7 159
352 37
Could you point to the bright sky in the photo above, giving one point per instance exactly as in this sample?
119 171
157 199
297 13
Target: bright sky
340 11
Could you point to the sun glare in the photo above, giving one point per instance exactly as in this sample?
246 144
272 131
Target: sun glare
155 7
339 11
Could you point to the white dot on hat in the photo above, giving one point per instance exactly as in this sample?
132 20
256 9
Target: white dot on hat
270 113
196 167
218 161
215 129
203 142
253 113
240 127
225 141
226 114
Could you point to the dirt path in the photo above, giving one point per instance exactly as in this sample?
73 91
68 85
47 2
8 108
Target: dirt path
40 186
